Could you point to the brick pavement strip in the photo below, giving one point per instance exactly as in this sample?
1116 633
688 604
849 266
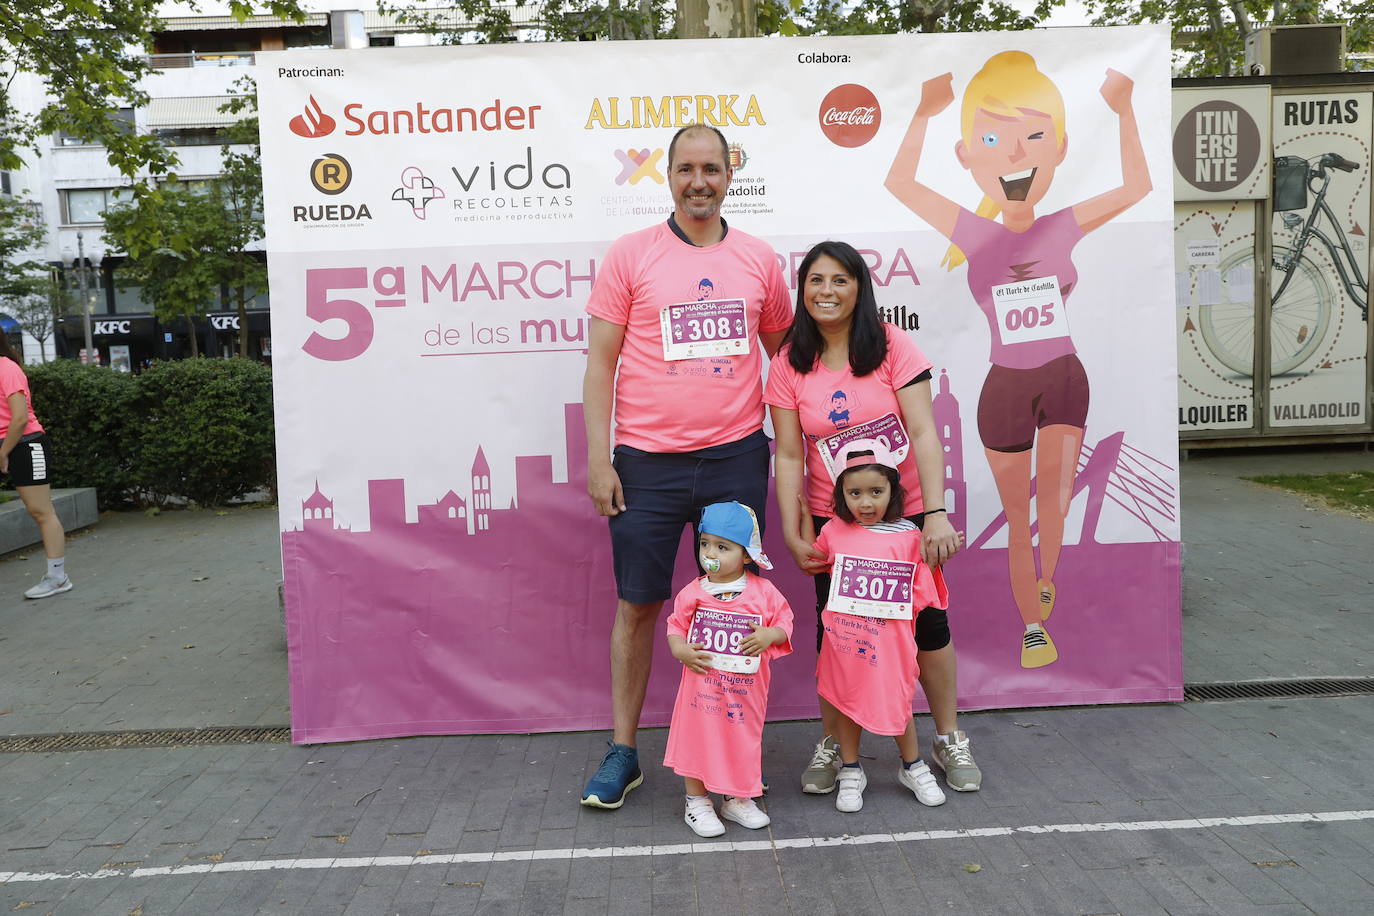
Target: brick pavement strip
188 815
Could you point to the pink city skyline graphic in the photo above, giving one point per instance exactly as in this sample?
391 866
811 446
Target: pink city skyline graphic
475 618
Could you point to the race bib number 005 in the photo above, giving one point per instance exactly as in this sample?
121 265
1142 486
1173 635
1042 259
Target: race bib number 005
721 632
1030 310
887 429
871 588
713 327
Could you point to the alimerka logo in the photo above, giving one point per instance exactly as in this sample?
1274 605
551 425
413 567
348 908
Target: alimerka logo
850 115
313 122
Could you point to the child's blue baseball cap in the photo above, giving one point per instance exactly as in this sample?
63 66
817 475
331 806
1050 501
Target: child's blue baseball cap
736 522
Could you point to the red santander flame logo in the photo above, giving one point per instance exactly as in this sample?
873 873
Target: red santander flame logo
313 122
850 115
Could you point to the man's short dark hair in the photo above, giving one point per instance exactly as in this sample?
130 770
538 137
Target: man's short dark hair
693 128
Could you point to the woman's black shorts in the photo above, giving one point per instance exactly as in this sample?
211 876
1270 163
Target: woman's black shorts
31 461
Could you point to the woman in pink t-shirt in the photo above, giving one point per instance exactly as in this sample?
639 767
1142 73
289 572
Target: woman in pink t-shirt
26 456
842 374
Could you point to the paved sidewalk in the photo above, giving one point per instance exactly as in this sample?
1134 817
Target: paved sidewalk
1092 811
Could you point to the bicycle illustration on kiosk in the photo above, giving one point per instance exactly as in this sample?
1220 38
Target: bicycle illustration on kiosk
1303 300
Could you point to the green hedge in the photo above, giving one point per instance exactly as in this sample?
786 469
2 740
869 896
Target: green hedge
199 430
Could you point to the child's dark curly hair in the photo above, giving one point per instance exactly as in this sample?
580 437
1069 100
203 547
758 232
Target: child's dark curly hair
896 502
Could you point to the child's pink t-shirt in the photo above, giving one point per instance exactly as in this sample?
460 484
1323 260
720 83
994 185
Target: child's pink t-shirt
867 666
12 381
687 404
828 403
717 728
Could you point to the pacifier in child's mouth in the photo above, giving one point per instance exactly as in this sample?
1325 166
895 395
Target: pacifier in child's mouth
710 564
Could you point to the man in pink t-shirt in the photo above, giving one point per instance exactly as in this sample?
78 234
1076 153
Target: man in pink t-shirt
682 314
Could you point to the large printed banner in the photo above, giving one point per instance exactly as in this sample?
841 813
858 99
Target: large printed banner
436 218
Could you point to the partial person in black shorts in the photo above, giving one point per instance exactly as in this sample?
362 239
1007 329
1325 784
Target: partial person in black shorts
26 456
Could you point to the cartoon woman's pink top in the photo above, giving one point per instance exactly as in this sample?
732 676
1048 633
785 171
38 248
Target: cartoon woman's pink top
1009 275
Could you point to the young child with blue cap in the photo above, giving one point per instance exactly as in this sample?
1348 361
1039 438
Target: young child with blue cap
725 629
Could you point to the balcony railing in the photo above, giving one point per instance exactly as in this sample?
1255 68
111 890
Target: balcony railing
201 59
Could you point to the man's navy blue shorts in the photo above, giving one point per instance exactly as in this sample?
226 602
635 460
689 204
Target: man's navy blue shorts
666 492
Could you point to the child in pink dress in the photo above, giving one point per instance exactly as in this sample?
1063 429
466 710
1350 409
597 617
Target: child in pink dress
725 629
867 665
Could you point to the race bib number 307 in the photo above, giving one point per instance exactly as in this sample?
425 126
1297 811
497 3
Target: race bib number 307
871 588
712 327
1030 310
721 632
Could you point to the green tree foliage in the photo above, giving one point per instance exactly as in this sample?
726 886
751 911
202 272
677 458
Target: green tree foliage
91 57
1209 35
205 430
21 232
186 241
88 412
198 430
881 17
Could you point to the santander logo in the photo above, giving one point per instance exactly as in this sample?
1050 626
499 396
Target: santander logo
313 122
850 115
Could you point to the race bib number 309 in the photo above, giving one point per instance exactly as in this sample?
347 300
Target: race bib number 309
871 588
712 327
721 632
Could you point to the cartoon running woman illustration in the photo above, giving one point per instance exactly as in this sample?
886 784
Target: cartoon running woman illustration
1021 274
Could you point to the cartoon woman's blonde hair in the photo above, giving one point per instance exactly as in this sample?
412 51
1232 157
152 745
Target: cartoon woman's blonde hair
1009 84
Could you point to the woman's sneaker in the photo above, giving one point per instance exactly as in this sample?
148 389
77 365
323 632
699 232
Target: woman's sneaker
921 781
701 817
744 811
48 586
955 758
819 778
851 783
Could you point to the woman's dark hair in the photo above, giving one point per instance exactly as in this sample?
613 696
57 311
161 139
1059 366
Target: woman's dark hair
7 350
867 339
896 503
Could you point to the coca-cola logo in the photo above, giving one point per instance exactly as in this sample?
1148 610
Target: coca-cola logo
850 115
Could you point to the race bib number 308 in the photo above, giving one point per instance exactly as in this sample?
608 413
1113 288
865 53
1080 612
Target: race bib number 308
721 632
871 588
712 327
1030 310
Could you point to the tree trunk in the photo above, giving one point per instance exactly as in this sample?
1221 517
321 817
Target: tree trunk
717 18
191 330
243 321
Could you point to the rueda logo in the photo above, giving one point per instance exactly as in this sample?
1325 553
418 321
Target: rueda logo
313 122
638 164
331 174
417 189
850 115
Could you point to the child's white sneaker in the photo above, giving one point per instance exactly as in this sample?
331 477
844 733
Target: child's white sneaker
701 817
921 781
744 811
851 784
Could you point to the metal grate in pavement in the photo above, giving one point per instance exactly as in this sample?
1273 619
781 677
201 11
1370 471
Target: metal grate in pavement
163 737
1251 690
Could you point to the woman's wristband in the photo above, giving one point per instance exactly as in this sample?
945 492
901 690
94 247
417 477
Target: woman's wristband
928 511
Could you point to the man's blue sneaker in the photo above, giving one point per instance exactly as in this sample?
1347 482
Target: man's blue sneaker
617 775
